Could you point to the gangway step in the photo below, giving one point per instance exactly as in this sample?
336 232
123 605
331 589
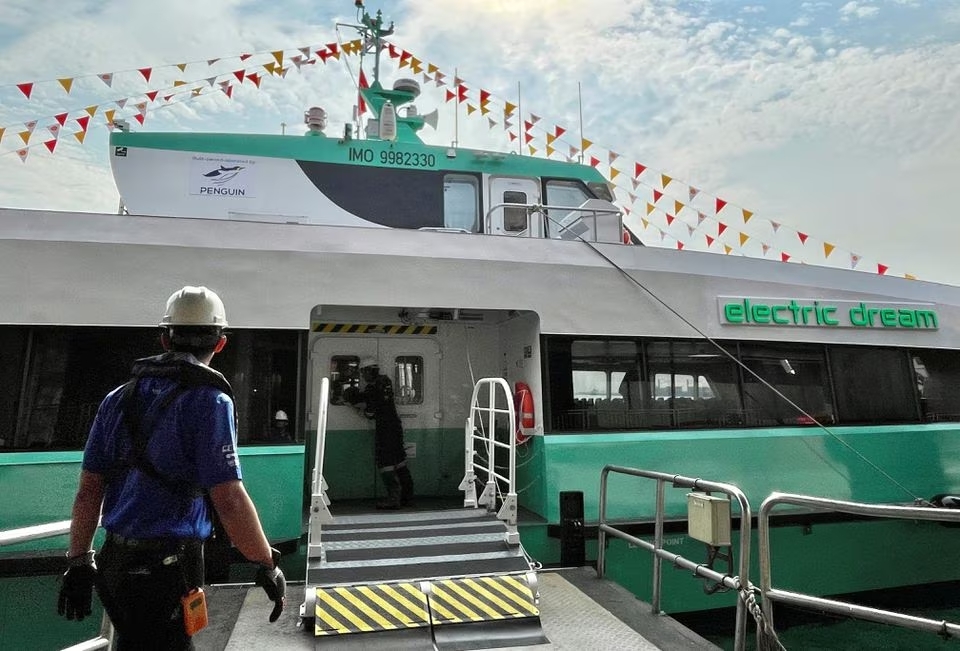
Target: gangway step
384 547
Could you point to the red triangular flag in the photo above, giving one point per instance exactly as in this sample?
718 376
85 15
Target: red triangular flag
26 89
461 93
244 57
679 245
450 95
882 269
720 228
594 161
670 219
710 240
146 73
803 237
784 257
138 117
656 196
152 95
638 169
83 122
51 144
362 83
720 204
559 131
61 118
255 78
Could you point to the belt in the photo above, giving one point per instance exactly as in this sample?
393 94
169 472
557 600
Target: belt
150 544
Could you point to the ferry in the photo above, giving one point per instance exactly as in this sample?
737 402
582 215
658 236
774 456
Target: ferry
450 265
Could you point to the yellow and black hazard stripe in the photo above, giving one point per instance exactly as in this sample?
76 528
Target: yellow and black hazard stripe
478 599
372 329
368 608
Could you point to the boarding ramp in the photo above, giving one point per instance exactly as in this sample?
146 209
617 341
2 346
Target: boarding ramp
441 579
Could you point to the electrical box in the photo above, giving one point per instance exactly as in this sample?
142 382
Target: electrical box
708 519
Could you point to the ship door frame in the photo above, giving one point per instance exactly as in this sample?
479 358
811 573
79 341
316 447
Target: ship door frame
498 221
353 475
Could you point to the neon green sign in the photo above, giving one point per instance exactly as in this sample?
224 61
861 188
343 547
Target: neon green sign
820 313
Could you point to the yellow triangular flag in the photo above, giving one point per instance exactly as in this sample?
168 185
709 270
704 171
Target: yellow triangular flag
827 249
91 110
416 64
80 135
533 150
650 208
2 129
550 149
470 109
182 66
484 110
270 67
746 215
645 223
179 82
613 173
508 109
677 206
67 83
664 180
278 55
585 144
743 238
109 113
727 249
909 276
25 136
550 138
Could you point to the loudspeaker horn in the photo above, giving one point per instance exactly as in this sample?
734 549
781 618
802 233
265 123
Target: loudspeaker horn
431 118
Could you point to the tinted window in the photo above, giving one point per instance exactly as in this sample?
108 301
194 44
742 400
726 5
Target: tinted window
873 385
461 202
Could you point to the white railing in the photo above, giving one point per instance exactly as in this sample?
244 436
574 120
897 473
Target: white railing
50 530
481 427
740 583
319 502
771 595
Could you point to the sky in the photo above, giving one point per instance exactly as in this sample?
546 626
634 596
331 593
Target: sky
833 124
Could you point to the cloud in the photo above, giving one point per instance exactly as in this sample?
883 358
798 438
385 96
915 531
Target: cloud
858 10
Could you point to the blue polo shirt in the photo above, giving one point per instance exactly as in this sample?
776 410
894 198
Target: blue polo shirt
194 441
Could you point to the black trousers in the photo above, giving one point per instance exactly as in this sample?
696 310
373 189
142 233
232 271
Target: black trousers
141 591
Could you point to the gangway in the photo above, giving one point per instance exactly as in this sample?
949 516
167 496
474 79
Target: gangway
437 579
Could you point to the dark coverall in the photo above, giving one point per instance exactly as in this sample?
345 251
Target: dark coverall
391 459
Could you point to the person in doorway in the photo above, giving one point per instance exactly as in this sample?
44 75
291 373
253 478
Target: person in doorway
161 456
281 427
376 397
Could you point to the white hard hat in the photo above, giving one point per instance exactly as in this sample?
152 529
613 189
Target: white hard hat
280 415
194 306
368 362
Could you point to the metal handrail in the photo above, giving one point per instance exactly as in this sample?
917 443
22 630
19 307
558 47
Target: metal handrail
739 582
879 615
319 502
488 498
543 210
51 530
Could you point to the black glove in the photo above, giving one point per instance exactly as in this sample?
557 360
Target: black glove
76 588
274 584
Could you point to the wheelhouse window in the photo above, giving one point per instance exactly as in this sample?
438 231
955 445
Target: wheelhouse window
344 374
515 220
571 194
461 203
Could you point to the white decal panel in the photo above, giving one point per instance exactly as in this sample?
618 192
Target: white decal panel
221 176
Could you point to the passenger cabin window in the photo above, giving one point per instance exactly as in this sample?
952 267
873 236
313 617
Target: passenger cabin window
408 380
52 380
461 205
936 374
344 374
873 385
798 371
515 220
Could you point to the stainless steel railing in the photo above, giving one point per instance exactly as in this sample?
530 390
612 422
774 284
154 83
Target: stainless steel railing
50 530
741 582
771 595
481 427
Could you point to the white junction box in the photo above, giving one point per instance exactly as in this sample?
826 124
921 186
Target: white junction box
708 519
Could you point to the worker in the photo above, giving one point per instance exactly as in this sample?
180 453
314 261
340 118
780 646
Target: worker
281 427
389 454
160 459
